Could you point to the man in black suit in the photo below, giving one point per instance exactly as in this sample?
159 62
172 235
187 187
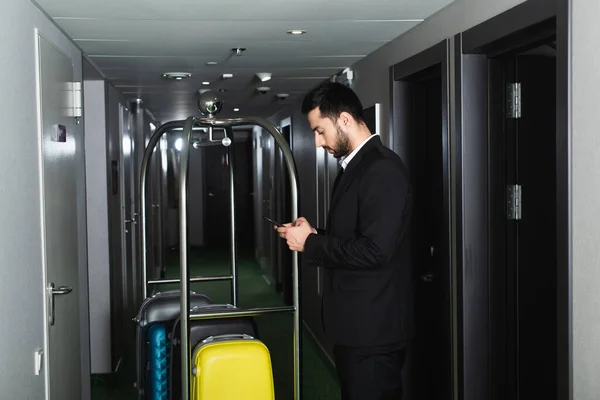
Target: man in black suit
367 291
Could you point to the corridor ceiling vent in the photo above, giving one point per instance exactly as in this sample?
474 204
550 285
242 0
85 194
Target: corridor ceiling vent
176 76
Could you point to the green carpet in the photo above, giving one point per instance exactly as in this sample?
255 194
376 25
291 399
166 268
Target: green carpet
275 330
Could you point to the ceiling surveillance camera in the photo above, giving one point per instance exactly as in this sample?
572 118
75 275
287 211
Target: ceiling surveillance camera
263 89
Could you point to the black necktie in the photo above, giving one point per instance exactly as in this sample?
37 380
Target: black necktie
337 179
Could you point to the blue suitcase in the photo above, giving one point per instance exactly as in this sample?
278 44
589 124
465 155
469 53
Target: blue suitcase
160 309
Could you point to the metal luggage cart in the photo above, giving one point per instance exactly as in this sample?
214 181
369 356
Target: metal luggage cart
209 104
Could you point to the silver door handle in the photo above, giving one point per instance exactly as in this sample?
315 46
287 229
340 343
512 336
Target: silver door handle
52 291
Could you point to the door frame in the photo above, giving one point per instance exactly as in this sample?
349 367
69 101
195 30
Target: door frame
437 55
124 201
527 23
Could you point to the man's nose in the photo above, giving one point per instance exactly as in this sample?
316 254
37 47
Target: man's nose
318 140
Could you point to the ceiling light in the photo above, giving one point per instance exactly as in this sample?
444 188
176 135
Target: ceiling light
236 109
283 96
211 63
263 89
227 76
206 83
264 76
176 75
296 32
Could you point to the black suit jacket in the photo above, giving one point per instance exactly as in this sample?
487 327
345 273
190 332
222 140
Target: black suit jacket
367 291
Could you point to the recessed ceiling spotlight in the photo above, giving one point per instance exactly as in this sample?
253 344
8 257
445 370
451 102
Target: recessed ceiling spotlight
263 89
176 75
236 109
206 83
296 32
227 76
211 63
283 96
264 76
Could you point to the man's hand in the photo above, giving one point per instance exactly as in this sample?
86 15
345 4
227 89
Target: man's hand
296 233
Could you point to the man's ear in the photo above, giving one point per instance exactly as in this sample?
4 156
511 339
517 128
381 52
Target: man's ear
346 119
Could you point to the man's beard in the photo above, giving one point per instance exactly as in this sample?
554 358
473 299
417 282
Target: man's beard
342 147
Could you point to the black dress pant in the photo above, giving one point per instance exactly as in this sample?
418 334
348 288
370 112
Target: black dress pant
370 373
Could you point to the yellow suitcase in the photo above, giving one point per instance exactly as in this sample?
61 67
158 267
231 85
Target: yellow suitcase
232 367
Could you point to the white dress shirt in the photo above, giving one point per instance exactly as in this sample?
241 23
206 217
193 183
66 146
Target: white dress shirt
344 161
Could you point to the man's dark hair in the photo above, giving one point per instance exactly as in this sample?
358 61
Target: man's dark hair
333 99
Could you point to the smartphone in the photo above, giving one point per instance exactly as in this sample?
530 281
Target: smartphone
272 221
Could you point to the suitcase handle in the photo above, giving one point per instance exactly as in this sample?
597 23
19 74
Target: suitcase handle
229 336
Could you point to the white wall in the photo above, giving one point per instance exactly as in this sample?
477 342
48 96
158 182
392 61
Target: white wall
585 198
97 207
21 315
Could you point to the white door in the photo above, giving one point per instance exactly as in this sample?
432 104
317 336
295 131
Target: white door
59 223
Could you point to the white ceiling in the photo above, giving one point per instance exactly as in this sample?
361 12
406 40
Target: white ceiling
133 41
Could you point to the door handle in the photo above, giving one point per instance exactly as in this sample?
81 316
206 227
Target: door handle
132 220
52 291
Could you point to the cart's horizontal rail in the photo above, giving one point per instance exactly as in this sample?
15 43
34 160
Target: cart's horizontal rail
239 312
195 279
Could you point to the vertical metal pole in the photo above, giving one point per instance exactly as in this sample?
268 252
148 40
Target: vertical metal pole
231 156
144 174
183 251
